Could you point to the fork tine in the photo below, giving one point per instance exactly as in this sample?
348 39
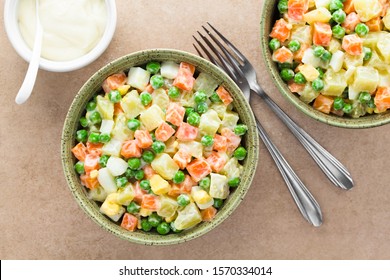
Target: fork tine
227 42
209 55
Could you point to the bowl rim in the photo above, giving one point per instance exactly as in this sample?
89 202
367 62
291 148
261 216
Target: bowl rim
89 206
20 46
369 121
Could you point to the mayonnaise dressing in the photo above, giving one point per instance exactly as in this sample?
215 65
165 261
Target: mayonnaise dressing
71 28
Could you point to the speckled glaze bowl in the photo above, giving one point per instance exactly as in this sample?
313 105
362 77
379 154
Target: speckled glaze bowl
251 142
269 15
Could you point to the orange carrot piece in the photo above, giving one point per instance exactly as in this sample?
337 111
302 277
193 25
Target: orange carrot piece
187 132
143 139
131 149
350 22
88 182
182 158
79 151
281 30
94 148
349 6
220 143
198 169
91 162
216 161
224 95
283 55
129 222
297 8
164 132
353 44
175 114
114 81
150 202
322 34
323 104
208 214
382 99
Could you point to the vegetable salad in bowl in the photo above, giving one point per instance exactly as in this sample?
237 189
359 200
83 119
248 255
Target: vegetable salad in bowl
159 147
335 54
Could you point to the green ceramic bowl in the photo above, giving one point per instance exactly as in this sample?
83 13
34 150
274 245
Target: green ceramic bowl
251 142
269 15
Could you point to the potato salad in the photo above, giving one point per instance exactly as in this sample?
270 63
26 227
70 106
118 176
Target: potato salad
159 148
335 54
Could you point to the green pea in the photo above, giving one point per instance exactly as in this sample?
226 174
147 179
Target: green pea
148 156
133 208
174 92
299 78
200 96
339 16
205 183
347 108
338 32
156 81
145 185
183 200
283 6
364 97
287 74
145 225
130 173
274 44
153 135
178 177
319 69
207 141
189 110
133 124
173 228
95 118
163 228
362 29
83 122
371 103
240 153
91 106
234 182
240 129
153 67
134 163
114 96
121 181
103 160
158 147
294 45
193 119
82 135
338 103
218 203
367 53
335 5
104 138
318 85
154 219
146 98
318 51
326 56
139 175
79 167
202 107
94 137
215 98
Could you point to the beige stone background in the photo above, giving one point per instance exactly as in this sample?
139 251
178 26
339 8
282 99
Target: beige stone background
39 218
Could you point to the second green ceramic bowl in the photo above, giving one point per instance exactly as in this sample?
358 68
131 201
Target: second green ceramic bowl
93 85
269 15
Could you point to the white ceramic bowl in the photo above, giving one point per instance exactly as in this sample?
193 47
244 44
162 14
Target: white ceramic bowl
17 41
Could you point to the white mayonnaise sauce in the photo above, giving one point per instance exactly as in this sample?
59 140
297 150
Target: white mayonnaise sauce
71 27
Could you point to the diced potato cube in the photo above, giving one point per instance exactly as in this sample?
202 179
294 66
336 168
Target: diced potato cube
138 78
105 107
335 83
366 79
164 165
187 98
220 108
205 83
372 38
106 126
121 132
143 212
301 33
111 209
131 105
194 148
210 122
106 180
97 194
353 93
229 120
350 75
218 186
337 61
112 148
168 207
123 89
160 98
171 146
311 59
169 69
171 218
152 117
159 185
318 15
309 72
125 195
367 9
383 46
376 62
322 3
334 45
308 94
386 19
202 199
232 169
188 217
384 79
353 60
116 166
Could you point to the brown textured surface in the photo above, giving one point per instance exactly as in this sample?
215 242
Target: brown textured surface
39 219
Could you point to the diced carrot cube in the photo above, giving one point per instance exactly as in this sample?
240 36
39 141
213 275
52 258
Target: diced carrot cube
88 182
353 44
297 8
91 162
323 104
183 187
216 161
114 81
138 193
149 171
375 24
150 202
164 132
208 214
382 99
129 222
281 30
198 169
322 34
294 87
149 89
220 143
117 108
350 22
233 140
182 158
297 56
144 140
224 95
131 149
349 6
94 148
79 151
175 114
188 67
187 132
184 79
283 55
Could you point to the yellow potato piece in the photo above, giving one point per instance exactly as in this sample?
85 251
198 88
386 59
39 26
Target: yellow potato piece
309 72
159 185
318 15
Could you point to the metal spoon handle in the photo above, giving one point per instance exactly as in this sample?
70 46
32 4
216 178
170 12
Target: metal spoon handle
331 167
305 201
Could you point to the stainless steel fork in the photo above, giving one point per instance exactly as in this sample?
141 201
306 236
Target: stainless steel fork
332 168
305 201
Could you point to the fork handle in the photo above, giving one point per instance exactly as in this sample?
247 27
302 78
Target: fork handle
306 203
331 167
